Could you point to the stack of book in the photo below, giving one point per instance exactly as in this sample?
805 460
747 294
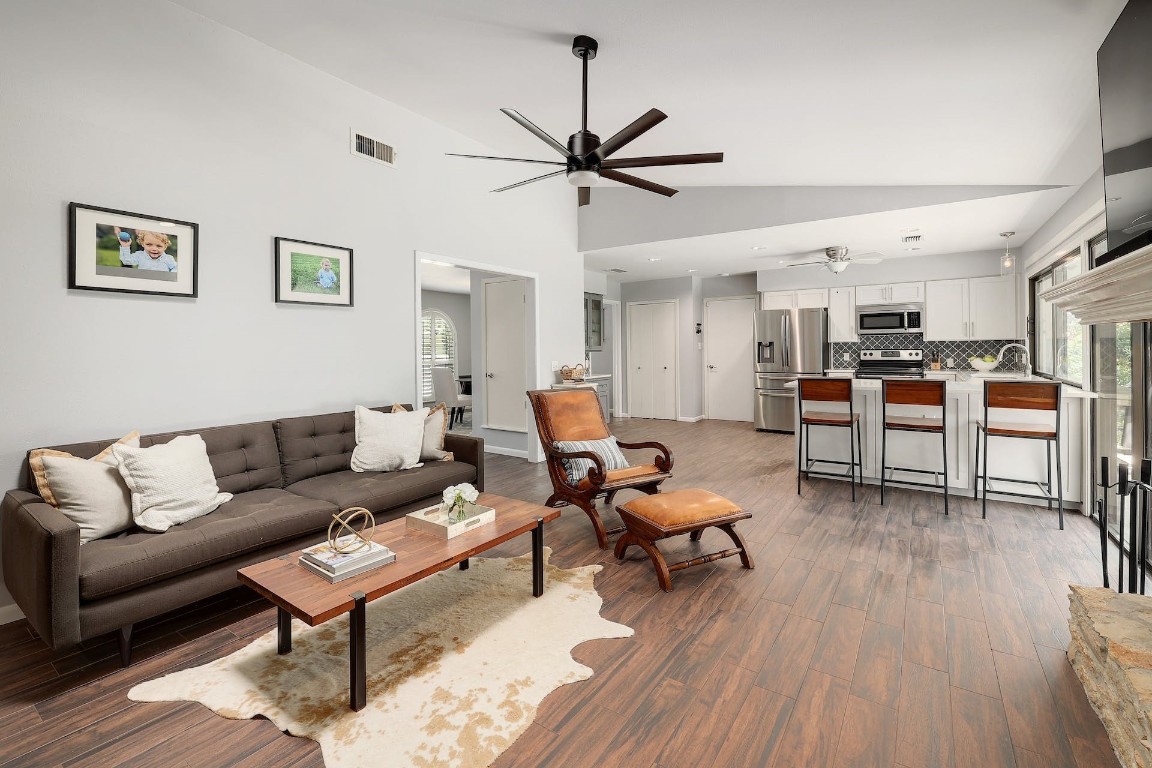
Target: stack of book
335 566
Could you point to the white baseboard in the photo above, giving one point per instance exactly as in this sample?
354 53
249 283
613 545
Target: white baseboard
690 419
620 416
518 453
10 613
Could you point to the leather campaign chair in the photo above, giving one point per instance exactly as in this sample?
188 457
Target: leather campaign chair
574 415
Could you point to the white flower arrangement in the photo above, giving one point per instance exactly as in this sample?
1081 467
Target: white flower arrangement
457 497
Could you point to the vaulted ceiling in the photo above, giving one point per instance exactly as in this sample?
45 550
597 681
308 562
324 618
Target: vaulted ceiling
826 94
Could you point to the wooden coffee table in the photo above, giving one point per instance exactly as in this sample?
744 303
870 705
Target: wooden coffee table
296 591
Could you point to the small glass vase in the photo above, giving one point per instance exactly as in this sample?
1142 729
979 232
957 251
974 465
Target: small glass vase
458 512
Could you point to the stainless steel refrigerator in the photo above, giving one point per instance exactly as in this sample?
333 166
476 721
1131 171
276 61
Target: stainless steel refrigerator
788 343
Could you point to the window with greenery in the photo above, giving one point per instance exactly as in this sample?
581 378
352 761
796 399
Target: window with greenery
438 348
1057 336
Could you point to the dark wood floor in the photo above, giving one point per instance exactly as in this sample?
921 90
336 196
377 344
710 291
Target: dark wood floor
866 636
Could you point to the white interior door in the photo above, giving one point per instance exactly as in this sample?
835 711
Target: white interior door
652 361
728 389
505 355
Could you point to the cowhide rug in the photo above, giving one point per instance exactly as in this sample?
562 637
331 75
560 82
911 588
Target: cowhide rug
457 665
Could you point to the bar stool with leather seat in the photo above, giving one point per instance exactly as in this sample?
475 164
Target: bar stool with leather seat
1027 396
827 391
929 393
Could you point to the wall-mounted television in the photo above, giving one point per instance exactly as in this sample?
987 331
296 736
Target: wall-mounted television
1124 64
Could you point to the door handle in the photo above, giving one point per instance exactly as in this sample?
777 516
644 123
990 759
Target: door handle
490 375
711 367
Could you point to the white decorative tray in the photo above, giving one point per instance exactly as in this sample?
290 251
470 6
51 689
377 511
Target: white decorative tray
434 521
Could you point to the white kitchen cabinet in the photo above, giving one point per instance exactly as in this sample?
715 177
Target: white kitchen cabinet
891 293
946 310
814 297
992 302
979 308
842 314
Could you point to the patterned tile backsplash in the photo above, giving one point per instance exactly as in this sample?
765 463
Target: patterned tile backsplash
959 351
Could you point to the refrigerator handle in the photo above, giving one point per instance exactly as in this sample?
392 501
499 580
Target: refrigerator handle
784 340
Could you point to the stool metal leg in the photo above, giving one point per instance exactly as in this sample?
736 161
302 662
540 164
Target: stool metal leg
799 455
1060 486
976 467
944 445
1048 458
984 502
883 459
852 460
859 454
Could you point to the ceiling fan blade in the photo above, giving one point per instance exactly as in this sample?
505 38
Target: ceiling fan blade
648 162
805 263
584 197
537 130
633 181
509 159
645 122
865 261
529 181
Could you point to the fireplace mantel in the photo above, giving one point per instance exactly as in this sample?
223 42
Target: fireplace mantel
1118 292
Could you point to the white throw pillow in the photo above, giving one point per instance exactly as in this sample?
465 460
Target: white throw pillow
171 483
388 441
90 493
435 427
36 463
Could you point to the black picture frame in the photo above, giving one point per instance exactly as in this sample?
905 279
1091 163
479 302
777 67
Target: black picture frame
299 273
95 264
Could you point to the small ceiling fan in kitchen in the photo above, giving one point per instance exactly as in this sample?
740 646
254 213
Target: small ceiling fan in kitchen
836 259
586 158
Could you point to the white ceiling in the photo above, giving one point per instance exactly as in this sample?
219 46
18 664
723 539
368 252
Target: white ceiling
821 92
447 279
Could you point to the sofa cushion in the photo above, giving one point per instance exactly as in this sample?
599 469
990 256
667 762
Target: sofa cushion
249 522
317 445
244 457
382 491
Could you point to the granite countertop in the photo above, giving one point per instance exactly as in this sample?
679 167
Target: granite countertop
974 385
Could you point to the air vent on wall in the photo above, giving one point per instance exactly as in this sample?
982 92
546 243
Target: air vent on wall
373 149
910 239
618 271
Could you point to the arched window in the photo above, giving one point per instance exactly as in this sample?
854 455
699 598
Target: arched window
438 347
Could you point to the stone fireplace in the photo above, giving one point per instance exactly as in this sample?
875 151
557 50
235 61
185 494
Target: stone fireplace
1111 651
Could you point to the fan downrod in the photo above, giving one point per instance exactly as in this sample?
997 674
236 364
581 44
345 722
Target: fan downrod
584 47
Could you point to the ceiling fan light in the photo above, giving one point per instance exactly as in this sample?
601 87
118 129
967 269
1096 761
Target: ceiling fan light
836 267
582 178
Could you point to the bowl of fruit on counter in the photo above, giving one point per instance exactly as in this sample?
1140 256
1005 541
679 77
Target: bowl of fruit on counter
983 364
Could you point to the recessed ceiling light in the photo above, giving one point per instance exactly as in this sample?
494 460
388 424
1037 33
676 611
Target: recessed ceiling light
781 261
436 263
693 270
759 247
1112 199
911 249
653 259
723 274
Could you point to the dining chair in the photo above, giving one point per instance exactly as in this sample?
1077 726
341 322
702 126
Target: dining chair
444 389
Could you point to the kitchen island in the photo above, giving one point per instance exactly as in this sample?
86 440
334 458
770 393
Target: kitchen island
1023 459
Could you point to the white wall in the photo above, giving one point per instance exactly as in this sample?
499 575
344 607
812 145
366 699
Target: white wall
949 266
146 107
458 308
732 285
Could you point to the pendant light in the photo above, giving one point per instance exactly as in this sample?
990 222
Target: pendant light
1008 260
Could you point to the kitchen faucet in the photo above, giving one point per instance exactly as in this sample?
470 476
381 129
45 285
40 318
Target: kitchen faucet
1027 361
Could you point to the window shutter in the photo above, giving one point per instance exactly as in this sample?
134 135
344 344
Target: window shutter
437 348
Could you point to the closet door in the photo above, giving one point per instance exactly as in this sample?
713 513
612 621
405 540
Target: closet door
652 360
505 355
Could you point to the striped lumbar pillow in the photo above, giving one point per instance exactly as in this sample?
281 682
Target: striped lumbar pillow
578 468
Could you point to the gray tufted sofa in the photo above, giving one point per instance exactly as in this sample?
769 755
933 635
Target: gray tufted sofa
288 477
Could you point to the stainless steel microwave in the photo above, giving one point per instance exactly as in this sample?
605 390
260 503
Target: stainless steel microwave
890 318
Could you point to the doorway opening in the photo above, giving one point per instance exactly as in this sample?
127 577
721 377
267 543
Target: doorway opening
477 349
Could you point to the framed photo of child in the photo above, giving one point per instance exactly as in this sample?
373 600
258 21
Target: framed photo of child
313 273
125 252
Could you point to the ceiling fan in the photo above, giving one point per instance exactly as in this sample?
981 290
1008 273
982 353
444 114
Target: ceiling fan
836 259
587 159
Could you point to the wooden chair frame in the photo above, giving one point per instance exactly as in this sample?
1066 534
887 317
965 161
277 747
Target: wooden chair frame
599 485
